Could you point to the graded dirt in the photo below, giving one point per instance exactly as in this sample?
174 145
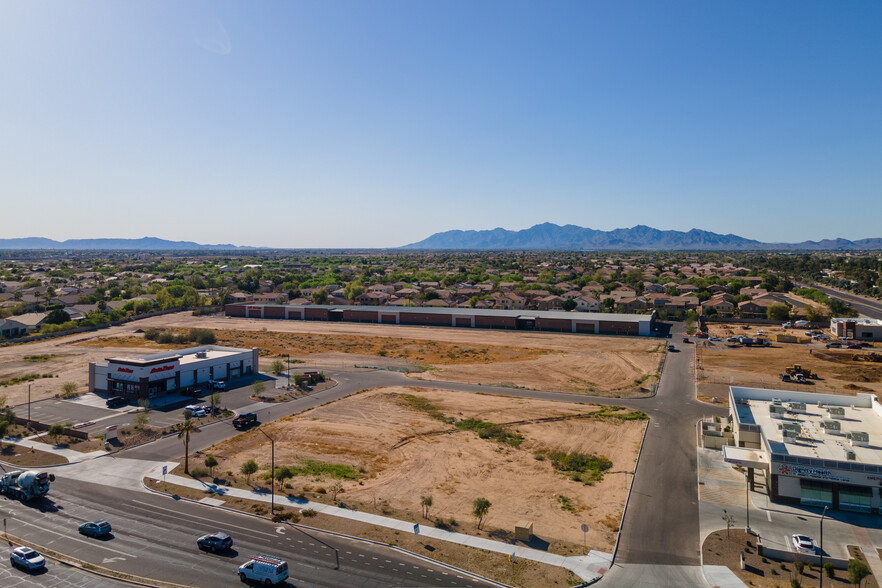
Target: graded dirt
365 431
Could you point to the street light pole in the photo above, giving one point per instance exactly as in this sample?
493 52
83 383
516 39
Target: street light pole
272 473
821 571
29 406
747 497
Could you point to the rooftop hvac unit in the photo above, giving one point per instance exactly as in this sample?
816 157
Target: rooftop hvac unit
776 401
836 412
798 407
858 438
831 427
850 455
201 354
820 404
776 411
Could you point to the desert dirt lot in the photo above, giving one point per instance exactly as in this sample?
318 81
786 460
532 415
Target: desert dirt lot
614 366
837 369
366 432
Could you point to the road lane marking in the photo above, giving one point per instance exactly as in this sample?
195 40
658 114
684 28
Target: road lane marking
72 538
178 514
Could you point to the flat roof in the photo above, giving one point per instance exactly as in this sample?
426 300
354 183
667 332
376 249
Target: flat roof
523 314
870 322
752 408
184 356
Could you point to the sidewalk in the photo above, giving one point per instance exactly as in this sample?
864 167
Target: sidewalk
71 455
590 567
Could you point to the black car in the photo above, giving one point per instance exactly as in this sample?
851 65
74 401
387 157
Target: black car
834 344
116 401
215 542
246 419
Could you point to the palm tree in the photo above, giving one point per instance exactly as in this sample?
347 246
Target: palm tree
187 427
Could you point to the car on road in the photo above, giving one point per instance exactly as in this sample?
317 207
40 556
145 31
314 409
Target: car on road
266 569
685 339
244 420
714 339
671 348
95 529
833 344
116 402
803 544
27 558
215 542
855 346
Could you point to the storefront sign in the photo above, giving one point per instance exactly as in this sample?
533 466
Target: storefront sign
163 368
806 472
126 370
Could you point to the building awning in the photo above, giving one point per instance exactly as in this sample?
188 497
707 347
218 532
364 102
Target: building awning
743 456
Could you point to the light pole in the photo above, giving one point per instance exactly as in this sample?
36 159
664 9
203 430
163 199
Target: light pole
747 497
272 473
821 571
29 407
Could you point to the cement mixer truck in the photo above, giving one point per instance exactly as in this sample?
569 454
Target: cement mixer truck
27 485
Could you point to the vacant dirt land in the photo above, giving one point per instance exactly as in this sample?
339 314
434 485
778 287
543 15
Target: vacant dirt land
565 362
400 445
839 370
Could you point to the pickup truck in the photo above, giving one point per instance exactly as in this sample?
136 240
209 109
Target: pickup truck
245 420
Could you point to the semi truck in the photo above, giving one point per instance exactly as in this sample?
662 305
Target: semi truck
27 485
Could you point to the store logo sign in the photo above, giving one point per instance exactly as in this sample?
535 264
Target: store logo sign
806 472
124 370
784 469
163 368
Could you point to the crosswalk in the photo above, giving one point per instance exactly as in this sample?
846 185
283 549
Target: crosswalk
723 486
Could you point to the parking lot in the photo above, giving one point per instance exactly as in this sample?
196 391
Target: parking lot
89 412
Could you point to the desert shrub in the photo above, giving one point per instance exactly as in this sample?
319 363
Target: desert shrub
309 512
580 467
494 431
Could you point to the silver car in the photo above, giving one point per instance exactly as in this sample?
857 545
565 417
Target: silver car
26 558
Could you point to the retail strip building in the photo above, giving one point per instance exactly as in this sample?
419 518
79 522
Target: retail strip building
812 449
164 373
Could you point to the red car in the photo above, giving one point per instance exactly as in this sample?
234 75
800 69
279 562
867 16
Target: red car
685 339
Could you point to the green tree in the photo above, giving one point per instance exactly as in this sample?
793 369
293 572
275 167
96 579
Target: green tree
187 429
353 290
57 317
320 296
277 367
258 386
480 508
816 313
214 400
778 312
56 431
426 503
210 462
249 468
857 571
568 305
140 419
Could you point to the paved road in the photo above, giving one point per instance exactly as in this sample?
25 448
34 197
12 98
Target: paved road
661 525
155 536
866 306
54 576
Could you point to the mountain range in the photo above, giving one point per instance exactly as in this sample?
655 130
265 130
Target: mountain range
142 244
549 236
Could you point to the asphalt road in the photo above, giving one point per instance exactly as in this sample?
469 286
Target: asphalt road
54 575
154 536
661 524
866 306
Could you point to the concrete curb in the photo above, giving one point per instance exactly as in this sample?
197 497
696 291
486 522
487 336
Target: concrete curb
335 533
630 489
92 569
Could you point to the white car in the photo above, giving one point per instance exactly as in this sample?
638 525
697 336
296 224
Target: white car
803 544
27 558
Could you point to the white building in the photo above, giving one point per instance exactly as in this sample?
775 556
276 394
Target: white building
862 329
170 371
812 449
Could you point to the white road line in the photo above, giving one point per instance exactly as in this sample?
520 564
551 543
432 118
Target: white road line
71 537
769 515
178 514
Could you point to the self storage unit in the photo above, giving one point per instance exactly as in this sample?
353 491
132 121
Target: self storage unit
163 373
812 449
539 320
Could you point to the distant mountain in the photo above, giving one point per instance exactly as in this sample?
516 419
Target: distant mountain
549 236
142 244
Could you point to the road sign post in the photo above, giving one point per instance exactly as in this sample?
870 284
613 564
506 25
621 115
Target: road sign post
584 538
164 472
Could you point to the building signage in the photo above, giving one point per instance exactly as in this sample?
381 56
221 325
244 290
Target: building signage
162 368
806 472
126 370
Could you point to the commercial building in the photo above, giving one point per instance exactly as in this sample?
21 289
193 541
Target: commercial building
862 329
811 449
170 371
545 320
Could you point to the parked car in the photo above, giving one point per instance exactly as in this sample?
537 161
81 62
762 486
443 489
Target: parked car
785 377
246 419
787 325
116 401
803 544
734 339
215 542
685 339
27 558
833 344
95 529
714 339
855 346
671 348
217 385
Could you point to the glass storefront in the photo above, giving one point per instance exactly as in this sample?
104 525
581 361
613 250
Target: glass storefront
815 493
855 498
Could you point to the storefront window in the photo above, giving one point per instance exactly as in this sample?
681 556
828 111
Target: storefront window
814 493
855 498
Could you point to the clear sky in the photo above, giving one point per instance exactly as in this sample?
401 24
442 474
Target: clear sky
378 123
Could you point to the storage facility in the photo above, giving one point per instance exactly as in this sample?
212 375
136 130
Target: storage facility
528 320
812 449
170 371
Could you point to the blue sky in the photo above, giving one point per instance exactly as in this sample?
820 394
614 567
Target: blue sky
376 124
